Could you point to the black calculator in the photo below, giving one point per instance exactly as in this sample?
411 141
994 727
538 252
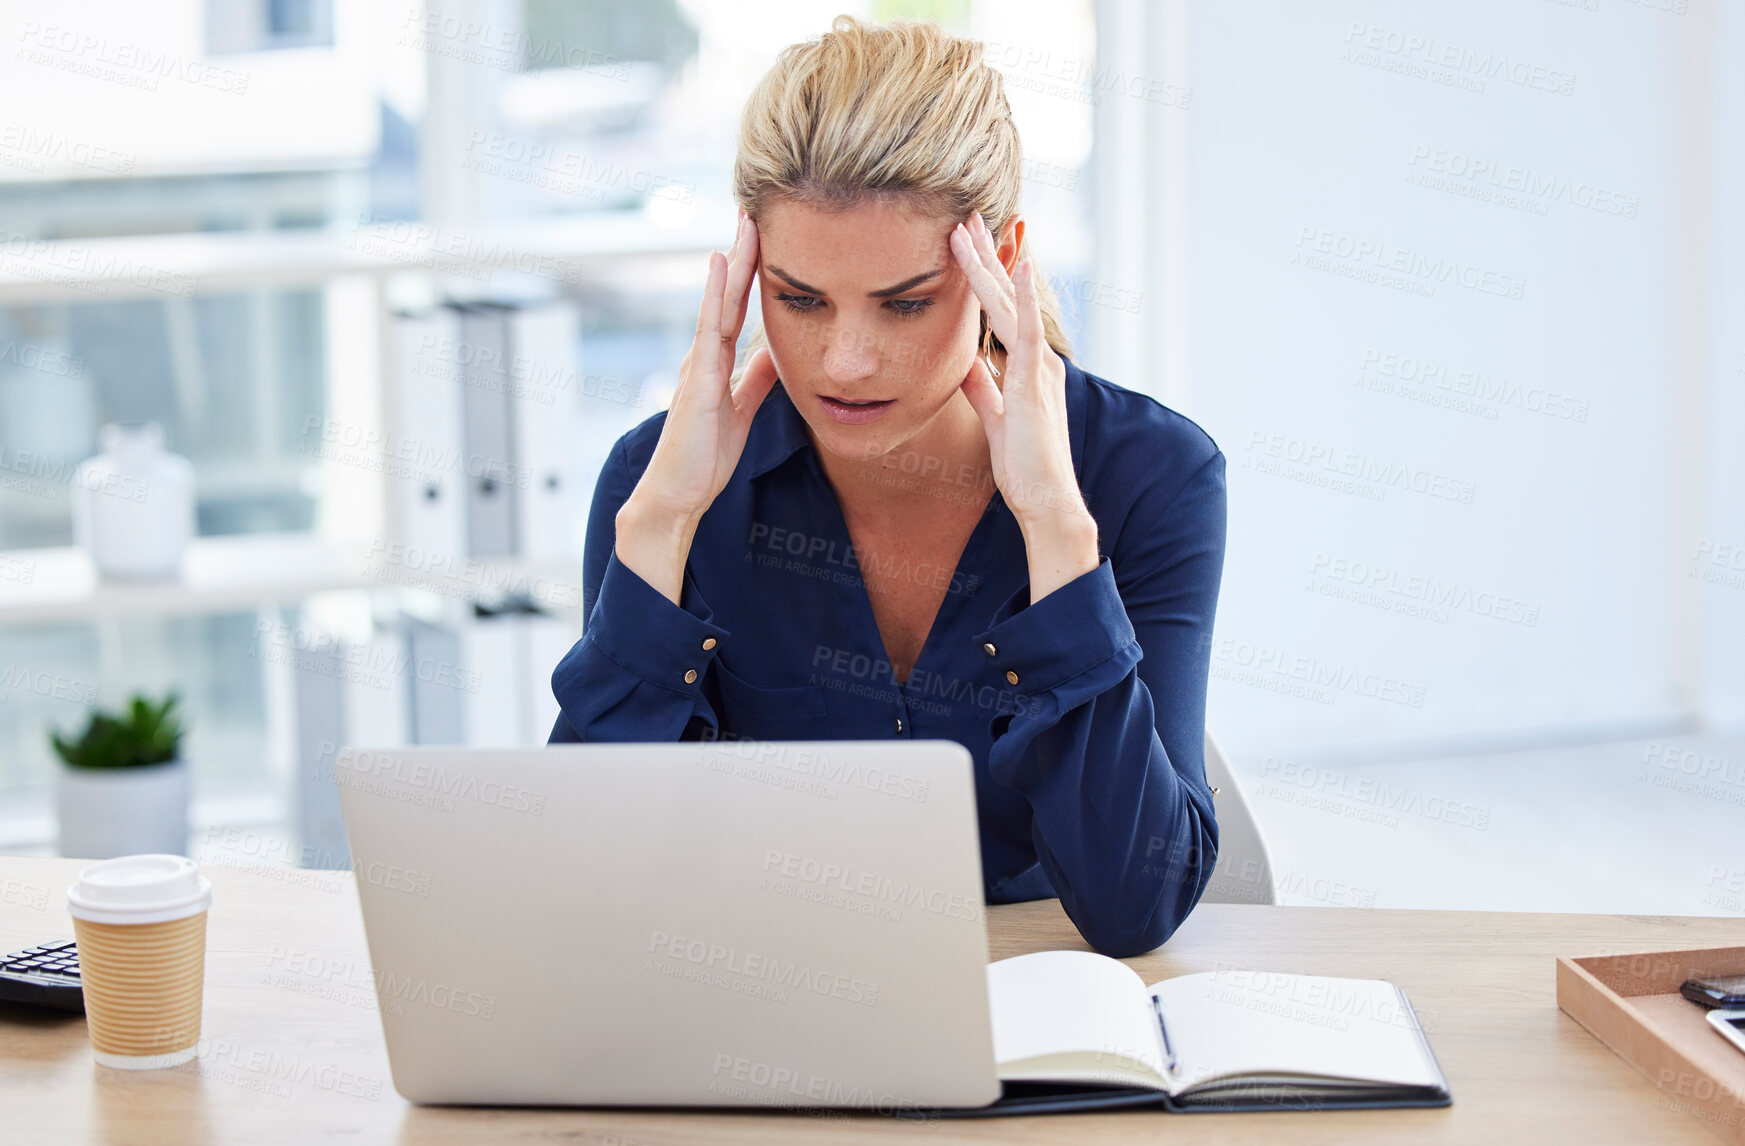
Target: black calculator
46 976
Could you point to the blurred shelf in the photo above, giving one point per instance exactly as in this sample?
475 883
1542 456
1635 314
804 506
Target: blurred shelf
243 572
213 262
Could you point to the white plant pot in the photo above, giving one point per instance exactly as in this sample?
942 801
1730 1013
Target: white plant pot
109 812
133 504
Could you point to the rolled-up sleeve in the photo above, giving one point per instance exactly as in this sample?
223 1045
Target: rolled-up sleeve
1107 742
637 673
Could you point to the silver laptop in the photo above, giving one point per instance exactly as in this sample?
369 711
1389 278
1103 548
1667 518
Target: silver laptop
726 923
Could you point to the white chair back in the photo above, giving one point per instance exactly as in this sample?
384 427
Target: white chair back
1243 872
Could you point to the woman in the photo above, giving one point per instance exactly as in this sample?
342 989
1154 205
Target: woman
906 537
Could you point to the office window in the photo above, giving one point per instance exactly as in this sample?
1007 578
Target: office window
580 33
232 379
52 676
267 25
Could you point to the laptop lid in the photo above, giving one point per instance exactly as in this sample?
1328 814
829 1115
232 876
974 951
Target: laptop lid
726 923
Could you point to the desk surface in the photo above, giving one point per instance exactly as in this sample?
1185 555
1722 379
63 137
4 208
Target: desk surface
297 1057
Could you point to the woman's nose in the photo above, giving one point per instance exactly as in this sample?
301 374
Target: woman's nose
850 354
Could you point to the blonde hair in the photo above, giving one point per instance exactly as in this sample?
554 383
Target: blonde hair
899 108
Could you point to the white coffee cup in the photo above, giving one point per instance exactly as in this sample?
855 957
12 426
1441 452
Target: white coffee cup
140 926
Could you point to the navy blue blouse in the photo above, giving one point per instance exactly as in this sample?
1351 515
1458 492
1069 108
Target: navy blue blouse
1090 770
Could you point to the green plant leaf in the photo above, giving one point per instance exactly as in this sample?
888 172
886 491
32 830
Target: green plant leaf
142 733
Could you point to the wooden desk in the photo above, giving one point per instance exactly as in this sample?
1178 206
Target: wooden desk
297 1056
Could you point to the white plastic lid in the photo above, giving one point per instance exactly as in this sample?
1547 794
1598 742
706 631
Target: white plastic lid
140 437
149 888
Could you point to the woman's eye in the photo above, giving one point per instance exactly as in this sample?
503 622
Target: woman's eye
805 304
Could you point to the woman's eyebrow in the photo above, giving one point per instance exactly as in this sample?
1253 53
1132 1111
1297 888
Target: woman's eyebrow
887 292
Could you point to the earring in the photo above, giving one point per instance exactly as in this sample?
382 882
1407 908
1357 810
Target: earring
987 352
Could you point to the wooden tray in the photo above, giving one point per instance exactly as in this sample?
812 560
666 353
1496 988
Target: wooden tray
1631 1003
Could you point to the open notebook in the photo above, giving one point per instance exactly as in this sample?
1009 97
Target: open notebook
1076 1031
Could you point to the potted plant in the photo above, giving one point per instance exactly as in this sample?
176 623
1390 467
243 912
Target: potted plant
123 785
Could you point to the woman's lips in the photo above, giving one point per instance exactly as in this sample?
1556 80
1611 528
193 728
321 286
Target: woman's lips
852 414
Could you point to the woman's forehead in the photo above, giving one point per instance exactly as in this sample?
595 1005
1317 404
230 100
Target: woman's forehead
870 245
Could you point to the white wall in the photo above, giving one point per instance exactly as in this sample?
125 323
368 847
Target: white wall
1366 209
1715 558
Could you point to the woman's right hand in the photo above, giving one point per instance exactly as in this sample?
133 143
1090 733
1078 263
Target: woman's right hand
705 430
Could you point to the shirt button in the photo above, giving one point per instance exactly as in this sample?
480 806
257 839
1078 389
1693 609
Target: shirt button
1011 677
708 643
988 647
690 676
899 724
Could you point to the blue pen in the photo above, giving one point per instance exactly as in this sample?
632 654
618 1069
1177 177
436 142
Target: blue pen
1163 1029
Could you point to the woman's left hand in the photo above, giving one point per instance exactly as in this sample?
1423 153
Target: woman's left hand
1025 416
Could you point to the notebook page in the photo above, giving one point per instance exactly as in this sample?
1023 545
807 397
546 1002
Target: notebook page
1087 1007
1228 1023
